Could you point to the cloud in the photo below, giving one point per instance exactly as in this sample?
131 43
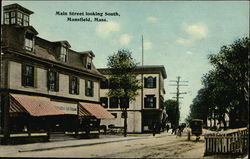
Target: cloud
148 45
152 19
105 29
182 41
195 32
125 39
189 52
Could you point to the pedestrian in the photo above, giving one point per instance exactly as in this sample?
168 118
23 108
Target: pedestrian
167 127
154 128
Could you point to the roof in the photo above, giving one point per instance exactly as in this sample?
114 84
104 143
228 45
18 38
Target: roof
95 110
17 6
140 69
33 105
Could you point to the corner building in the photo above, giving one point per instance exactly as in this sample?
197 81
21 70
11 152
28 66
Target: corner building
146 109
45 86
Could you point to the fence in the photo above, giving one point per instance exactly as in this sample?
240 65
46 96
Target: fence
228 142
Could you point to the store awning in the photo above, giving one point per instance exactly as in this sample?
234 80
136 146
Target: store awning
34 105
91 109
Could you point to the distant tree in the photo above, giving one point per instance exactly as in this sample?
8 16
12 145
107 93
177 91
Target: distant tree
123 82
172 112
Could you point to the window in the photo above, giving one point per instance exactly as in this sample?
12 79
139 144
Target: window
114 114
28 75
19 18
89 88
53 81
124 102
104 102
29 41
63 54
105 84
113 102
12 17
150 101
73 85
88 63
7 18
150 82
25 20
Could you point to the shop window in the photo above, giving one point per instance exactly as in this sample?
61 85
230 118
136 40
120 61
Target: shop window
105 84
28 75
114 114
113 102
124 102
63 54
53 81
104 102
89 88
150 82
29 41
73 85
150 101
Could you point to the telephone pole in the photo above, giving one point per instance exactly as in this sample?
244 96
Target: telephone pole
178 93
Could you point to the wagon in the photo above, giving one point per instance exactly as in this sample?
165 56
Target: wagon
196 127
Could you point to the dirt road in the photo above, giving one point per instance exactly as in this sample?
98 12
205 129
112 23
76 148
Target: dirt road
151 147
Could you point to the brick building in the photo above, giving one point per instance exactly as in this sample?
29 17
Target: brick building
45 86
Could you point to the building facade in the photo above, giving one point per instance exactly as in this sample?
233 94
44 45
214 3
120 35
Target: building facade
42 82
146 109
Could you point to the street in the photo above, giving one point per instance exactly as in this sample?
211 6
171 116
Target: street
164 145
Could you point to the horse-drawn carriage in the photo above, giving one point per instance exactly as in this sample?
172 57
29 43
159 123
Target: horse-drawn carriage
196 127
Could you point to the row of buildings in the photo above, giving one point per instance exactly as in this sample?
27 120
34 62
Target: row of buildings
48 87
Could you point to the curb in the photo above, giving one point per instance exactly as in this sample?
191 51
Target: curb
78 145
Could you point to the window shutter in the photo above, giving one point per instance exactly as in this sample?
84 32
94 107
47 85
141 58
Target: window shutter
92 88
23 75
35 77
154 100
48 80
86 87
70 84
78 85
154 82
145 82
145 102
57 81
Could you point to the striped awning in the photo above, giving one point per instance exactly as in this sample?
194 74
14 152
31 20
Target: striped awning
33 105
92 109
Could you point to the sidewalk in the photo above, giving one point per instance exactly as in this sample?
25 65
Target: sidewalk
9 149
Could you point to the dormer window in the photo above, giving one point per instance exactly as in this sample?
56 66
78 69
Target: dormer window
25 20
29 41
89 63
63 54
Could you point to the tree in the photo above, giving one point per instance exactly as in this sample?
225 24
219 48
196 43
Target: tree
173 115
123 82
226 85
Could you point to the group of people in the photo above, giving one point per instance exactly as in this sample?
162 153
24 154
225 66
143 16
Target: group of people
177 130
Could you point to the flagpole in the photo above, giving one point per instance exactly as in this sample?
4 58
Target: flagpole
142 95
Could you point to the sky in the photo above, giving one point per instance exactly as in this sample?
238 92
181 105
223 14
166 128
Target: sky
177 34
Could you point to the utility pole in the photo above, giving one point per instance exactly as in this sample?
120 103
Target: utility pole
178 93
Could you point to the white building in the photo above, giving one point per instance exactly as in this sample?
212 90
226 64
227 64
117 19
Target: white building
147 107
